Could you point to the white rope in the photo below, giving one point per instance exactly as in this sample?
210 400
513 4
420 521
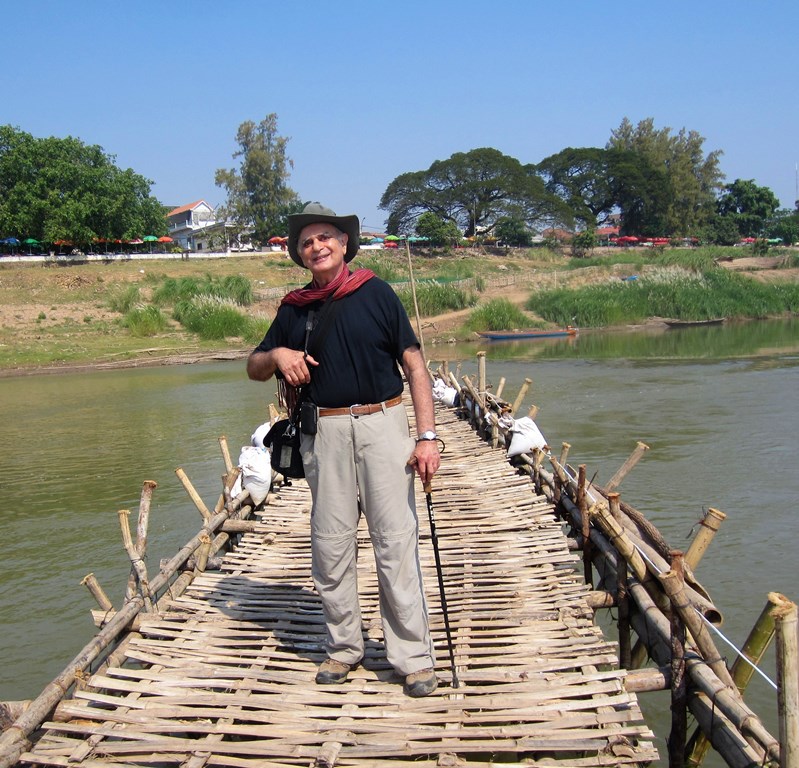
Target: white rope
712 626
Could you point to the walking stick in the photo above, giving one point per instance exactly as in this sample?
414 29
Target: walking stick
428 489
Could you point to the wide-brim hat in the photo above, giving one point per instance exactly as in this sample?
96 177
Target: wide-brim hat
315 213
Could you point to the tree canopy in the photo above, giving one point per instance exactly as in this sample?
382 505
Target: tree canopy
748 206
693 178
258 195
472 190
62 189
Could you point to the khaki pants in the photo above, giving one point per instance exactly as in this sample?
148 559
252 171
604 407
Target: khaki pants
354 458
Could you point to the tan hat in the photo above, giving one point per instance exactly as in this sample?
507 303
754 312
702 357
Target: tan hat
315 213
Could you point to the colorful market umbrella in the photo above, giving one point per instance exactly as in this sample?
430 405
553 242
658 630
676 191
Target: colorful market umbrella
390 238
164 239
150 239
30 242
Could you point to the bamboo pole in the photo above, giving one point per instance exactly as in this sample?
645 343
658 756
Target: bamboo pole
786 621
135 560
585 525
142 526
679 719
622 472
90 582
622 594
517 403
708 528
564 453
500 386
753 649
193 495
481 372
415 302
225 453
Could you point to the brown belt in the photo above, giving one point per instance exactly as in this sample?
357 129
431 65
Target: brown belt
361 410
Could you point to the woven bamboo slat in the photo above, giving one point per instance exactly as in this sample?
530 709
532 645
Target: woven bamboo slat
224 676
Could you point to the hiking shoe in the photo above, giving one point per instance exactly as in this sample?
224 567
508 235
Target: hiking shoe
421 683
332 671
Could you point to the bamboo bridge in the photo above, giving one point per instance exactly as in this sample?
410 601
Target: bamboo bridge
212 661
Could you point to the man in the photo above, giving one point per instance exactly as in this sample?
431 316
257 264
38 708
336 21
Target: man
362 456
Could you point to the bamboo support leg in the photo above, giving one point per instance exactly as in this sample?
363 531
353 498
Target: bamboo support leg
135 560
225 453
481 373
753 649
622 472
564 453
142 526
707 530
622 594
500 387
679 712
585 520
786 622
193 495
533 412
517 403
90 582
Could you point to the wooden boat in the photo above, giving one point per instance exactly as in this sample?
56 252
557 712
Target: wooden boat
532 334
693 323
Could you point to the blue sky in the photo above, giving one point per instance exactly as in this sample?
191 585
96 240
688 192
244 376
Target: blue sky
369 90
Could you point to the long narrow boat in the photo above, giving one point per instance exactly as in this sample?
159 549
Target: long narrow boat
693 323
533 334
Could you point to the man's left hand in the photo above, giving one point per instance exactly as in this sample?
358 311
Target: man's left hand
426 458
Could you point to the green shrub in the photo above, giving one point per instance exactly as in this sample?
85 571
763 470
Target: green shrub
499 315
234 287
124 299
256 329
383 267
210 317
145 321
434 298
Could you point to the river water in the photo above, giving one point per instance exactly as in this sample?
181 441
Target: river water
716 406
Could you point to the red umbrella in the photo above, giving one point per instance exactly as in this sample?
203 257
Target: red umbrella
277 240
164 239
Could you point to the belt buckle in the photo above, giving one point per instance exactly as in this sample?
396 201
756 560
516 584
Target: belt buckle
352 413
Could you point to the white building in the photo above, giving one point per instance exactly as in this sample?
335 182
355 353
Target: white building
189 224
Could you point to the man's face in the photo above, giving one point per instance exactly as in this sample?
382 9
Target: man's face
322 248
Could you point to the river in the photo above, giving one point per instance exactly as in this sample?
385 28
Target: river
715 405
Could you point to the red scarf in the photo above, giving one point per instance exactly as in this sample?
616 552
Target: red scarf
343 285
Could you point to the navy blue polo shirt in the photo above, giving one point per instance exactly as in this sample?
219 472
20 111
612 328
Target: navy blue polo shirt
362 350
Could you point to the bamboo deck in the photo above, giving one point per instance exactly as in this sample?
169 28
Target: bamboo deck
225 677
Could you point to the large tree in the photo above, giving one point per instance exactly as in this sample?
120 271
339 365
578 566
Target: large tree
693 176
258 195
748 205
582 179
62 189
473 190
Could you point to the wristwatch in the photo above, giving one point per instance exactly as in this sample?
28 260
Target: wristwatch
429 435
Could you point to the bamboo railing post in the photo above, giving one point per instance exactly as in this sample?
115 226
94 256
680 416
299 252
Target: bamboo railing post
500 386
753 649
674 588
90 582
142 525
517 403
533 412
135 560
225 453
634 458
193 495
201 560
622 593
564 453
481 373
707 530
585 525
415 302
679 712
786 622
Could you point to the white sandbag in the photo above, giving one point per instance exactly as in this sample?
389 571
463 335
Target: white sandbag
256 472
525 437
259 435
444 394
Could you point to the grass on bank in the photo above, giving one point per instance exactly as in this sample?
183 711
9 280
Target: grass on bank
669 292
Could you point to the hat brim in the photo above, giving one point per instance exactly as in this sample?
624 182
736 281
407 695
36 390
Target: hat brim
349 225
